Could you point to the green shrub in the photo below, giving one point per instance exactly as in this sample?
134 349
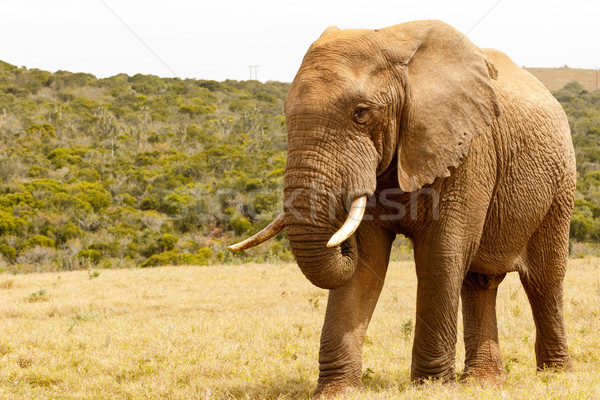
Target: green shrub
191 246
190 259
44 187
582 224
166 258
264 202
94 194
94 256
240 224
203 256
176 205
87 174
61 157
127 199
14 199
174 258
155 245
69 231
254 184
39 240
10 224
67 203
8 252
43 129
107 248
37 171
122 230
149 202
167 242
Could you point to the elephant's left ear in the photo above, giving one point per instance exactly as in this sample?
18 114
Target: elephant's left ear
449 99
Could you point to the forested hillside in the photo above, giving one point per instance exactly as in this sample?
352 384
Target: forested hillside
135 170
583 109
143 171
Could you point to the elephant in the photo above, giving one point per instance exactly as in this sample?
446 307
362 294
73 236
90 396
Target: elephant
414 130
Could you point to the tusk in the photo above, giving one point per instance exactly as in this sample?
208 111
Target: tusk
357 210
267 233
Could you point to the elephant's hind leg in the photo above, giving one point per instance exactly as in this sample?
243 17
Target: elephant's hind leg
546 262
483 360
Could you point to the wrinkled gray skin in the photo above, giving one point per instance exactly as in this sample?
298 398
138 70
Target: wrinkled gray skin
416 107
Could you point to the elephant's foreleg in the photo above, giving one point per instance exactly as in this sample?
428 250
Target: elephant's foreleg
349 311
438 290
482 359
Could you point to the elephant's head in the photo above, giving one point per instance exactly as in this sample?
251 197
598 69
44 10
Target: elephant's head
415 94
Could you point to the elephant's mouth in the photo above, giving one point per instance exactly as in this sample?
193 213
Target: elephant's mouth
355 215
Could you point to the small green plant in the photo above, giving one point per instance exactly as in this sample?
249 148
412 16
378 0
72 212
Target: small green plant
81 316
516 311
406 328
93 273
314 303
367 376
40 295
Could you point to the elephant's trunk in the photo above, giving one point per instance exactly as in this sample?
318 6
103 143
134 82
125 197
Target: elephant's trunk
312 217
326 267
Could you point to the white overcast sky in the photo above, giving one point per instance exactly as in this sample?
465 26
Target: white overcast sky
219 39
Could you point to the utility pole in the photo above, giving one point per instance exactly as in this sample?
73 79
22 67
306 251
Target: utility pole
255 69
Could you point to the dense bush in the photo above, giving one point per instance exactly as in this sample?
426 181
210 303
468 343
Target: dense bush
138 169
583 109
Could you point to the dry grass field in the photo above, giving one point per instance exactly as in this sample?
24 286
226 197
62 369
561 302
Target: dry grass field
557 78
251 332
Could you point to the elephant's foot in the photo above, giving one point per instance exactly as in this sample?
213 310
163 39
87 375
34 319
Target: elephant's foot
331 390
484 364
555 364
492 374
444 374
338 378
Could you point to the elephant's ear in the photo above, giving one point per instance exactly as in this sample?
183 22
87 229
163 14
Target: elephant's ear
449 99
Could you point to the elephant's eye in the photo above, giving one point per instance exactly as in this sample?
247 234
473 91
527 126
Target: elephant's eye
360 115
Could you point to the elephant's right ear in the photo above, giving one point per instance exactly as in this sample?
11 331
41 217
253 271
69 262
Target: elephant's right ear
449 99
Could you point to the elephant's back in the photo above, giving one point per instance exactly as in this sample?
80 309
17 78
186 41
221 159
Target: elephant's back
532 119
521 91
535 164
514 79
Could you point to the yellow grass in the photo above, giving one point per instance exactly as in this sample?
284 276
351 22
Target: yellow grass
556 78
251 332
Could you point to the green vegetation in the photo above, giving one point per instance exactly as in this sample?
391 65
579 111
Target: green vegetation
136 170
583 109
145 171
